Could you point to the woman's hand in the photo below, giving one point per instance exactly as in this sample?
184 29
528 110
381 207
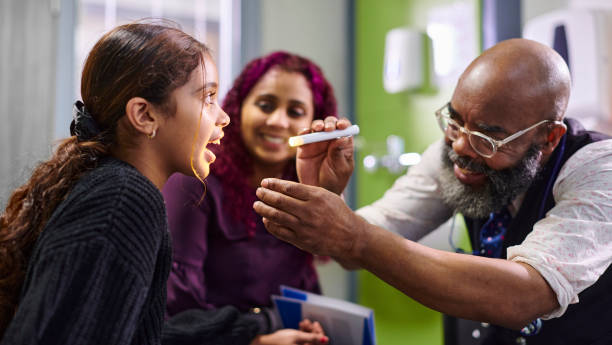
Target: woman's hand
310 333
328 164
311 327
290 336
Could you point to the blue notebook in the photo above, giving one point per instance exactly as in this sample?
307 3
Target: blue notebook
345 323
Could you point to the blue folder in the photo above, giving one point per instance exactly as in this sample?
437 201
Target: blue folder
345 323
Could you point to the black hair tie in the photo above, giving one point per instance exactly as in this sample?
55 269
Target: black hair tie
83 124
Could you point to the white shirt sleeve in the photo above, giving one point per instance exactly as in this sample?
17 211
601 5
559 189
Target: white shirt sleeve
413 206
572 246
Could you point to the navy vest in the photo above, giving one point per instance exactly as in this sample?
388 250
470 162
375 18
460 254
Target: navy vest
587 322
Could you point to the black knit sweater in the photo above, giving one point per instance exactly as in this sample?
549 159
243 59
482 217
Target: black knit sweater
98 271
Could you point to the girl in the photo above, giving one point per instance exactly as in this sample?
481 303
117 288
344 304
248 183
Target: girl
84 248
223 254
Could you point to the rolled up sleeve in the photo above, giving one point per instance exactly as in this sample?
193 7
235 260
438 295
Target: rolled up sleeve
572 246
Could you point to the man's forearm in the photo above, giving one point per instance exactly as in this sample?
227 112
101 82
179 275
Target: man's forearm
490 290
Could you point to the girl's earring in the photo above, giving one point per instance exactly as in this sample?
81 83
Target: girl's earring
152 135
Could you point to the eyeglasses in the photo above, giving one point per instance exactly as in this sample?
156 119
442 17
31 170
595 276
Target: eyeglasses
482 144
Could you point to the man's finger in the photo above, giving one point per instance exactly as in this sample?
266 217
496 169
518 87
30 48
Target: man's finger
305 130
290 188
276 215
343 123
317 125
279 231
280 201
330 123
341 144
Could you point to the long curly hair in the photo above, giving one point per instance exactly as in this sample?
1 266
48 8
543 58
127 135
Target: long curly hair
234 163
142 59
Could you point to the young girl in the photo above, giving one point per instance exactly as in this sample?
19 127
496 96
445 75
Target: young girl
84 247
223 254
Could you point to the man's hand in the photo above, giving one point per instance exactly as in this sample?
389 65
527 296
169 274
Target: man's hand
328 164
310 218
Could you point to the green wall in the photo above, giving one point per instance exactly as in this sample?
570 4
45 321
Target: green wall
399 319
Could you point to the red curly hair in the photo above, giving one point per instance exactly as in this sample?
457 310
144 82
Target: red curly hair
234 163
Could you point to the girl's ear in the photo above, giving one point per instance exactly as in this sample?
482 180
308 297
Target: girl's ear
142 117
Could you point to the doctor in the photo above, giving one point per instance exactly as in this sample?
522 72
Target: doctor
534 189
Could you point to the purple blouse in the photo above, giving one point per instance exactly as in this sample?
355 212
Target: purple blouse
215 262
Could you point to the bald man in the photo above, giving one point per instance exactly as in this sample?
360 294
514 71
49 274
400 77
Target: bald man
535 190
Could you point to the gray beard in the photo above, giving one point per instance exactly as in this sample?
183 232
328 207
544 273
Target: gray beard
502 187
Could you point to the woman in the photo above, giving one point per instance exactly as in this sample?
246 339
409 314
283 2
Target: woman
223 254
84 247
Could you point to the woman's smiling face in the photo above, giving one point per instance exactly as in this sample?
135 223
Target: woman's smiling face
278 106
